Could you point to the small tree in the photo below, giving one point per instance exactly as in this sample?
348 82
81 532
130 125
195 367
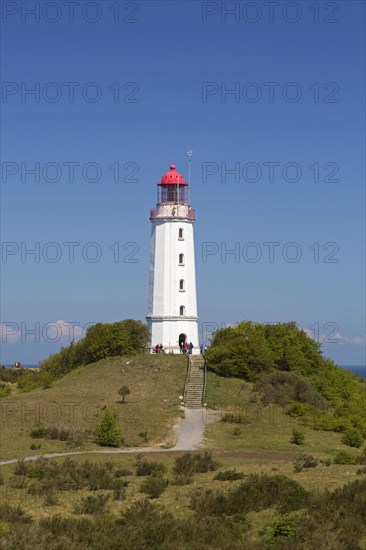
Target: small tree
125 390
108 433
297 437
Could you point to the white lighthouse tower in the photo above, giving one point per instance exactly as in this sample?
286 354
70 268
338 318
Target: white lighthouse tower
172 311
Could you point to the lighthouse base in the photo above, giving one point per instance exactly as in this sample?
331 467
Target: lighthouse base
173 333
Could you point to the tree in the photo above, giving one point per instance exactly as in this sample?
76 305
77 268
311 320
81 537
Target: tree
297 437
108 433
125 390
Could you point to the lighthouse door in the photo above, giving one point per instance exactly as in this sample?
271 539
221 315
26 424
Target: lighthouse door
182 340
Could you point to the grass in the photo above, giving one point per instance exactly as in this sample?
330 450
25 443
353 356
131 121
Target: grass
262 446
77 400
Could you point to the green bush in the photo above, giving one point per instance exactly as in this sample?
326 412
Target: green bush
146 468
108 433
154 486
344 457
352 438
101 340
121 472
229 475
181 480
282 528
37 432
297 437
235 418
256 493
305 461
92 504
283 387
189 463
123 391
4 390
13 514
21 467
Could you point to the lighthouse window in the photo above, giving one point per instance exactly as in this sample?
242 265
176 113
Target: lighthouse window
181 259
182 310
181 234
181 285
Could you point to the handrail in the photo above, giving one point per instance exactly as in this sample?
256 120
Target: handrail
186 381
204 379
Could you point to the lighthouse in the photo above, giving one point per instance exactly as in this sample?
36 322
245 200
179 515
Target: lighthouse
172 309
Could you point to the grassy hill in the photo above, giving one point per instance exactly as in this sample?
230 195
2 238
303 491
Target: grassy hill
84 497
76 402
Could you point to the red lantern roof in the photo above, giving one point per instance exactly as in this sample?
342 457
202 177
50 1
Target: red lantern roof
172 177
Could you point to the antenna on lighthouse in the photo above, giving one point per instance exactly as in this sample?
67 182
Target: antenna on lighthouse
189 155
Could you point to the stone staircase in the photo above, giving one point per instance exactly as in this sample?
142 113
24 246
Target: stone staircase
195 385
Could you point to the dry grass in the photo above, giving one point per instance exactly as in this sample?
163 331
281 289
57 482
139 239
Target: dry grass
77 401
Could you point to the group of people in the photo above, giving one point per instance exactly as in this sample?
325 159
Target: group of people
186 348
17 365
183 346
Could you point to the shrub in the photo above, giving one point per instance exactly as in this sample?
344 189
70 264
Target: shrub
236 418
282 528
305 461
108 433
37 432
20 468
1 479
123 391
229 475
146 468
182 480
195 463
47 380
101 340
283 387
361 459
4 390
352 438
154 486
92 504
344 457
236 431
144 436
13 514
121 472
361 471
256 493
297 437
50 497
35 446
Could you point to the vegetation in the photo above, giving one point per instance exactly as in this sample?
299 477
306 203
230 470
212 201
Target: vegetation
146 468
229 475
288 369
190 463
108 433
297 437
70 410
101 340
123 391
154 486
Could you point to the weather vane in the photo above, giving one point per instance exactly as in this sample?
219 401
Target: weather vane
189 155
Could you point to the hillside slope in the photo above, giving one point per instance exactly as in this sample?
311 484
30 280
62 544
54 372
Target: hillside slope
77 400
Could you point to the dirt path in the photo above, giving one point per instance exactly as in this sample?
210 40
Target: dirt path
188 435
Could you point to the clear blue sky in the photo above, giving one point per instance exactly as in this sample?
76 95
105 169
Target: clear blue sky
162 55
